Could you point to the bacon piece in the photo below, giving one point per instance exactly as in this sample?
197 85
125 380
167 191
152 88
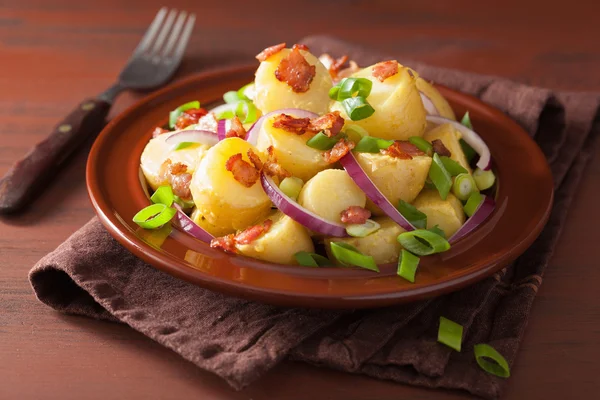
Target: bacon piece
236 129
295 71
190 117
178 178
385 69
438 147
331 124
403 150
347 72
225 243
291 124
252 233
243 172
255 159
272 168
341 148
269 51
355 215
300 47
158 131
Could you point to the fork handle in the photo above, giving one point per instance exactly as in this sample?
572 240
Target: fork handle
29 176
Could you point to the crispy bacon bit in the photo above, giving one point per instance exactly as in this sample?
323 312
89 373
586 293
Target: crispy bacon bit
346 72
158 131
177 176
438 147
403 150
300 47
341 148
225 243
190 117
331 124
243 172
269 51
272 168
291 124
355 215
296 71
385 69
252 233
255 159
236 130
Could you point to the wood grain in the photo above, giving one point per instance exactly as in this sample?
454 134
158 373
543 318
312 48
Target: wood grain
55 53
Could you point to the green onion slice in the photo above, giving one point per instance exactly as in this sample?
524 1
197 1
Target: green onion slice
232 97
407 265
185 204
417 218
357 108
362 230
484 179
291 187
421 144
355 132
322 142
333 92
370 144
463 186
440 176
452 166
311 259
347 254
174 115
423 242
242 91
154 216
351 87
466 121
469 152
498 367
163 195
450 333
473 203
246 111
183 145
438 231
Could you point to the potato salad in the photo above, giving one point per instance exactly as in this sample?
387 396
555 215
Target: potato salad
320 162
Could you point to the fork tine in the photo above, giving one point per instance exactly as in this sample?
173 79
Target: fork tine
151 31
174 34
164 32
184 38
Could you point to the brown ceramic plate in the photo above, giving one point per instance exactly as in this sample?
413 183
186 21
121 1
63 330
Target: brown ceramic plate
524 199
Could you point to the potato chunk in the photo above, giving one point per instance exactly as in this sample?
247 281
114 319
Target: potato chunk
207 226
285 238
399 112
291 150
450 136
436 98
223 201
382 244
329 193
447 214
271 94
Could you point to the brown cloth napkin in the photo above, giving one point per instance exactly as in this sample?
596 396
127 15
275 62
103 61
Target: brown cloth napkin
91 274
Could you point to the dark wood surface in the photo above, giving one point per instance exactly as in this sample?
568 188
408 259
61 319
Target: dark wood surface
55 53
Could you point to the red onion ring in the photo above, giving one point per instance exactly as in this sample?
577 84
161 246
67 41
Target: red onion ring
221 129
483 211
298 213
428 104
254 131
195 136
469 136
185 223
362 180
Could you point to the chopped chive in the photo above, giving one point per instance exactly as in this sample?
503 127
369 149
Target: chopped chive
357 108
183 145
311 259
498 367
163 195
466 121
407 265
452 166
370 144
423 242
352 87
421 144
174 115
417 218
322 142
291 187
246 111
468 151
438 231
473 203
450 333
347 254
463 186
362 230
440 176
484 179
154 216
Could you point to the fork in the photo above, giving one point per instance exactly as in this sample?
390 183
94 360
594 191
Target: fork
152 63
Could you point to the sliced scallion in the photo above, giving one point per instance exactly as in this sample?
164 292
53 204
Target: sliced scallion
242 91
176 113
322 142
163 195
498 367
357 108
466 121
440 176
473 203
347 254
452 166
246 111
362 230
154 216
407 265
185 204
421 144
333 92
423 242
417 218
231 97
450 333
438 231
307 259
469 152
183 145
463 186
370 144
484 179
291 186
352 87
355 132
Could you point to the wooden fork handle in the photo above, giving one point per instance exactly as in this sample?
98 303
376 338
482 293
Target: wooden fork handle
29 176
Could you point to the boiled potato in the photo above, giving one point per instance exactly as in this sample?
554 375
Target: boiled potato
394 177
447 214
207 226
450 136
381 244
270 94
399 112
223 201
436 98
285 238
329 193
291 150
157 152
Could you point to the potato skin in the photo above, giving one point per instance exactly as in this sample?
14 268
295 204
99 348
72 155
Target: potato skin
271 94
382 244
440 103
285 238
291 150
329 193
450 136
447 214
223 201
399 112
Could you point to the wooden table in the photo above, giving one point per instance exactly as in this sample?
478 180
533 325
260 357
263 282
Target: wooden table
54 53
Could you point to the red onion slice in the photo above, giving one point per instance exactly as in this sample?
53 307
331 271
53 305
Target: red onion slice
194 136
469 136
362 180
185 223
222 129
298 213
483 211
428 104
254 131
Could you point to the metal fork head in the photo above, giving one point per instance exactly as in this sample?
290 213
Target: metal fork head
160 51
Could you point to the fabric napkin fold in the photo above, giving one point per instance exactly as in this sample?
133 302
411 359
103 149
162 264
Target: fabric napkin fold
92 275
